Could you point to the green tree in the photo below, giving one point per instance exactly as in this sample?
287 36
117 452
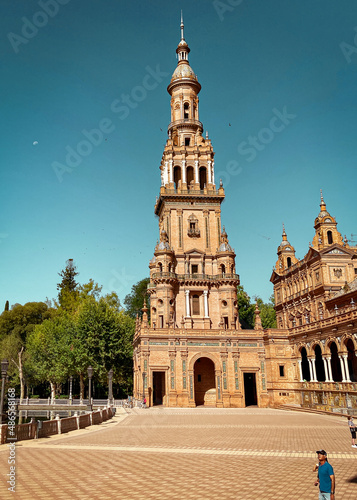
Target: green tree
50 347
134 301
245 309
104 336
68 287
15 327
267 312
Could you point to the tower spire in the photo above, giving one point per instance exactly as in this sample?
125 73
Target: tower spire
182 26
322 204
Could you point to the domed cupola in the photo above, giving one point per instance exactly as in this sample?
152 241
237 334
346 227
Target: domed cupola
325 226
183 71
225 246
286 254
225 256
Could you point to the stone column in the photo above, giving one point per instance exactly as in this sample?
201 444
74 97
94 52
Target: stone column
348 379
209 171
326 370
342 368
187 293
205 302
310 370
197 180
213 172
313 370
300 370
183 171
328 359
166 177
171 171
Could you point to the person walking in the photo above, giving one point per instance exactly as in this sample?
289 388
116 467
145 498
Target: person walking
352 428
325 477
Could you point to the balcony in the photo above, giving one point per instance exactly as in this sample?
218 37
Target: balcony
196 277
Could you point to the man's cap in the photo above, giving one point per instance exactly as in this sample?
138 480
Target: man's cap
321 452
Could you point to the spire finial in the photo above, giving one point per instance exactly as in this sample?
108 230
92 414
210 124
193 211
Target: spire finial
322 204
284 233
182 26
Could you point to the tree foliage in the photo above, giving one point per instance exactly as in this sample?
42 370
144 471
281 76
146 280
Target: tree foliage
68 287
16 325
247 310
134 301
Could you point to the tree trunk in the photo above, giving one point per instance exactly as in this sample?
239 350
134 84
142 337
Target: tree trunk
81 386
21 375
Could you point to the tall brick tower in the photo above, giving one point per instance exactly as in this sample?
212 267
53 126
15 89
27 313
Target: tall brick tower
182 358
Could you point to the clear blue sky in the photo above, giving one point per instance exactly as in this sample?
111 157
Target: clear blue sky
254 60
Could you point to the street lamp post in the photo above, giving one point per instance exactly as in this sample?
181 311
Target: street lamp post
90 375
70 387
144 375
4 367
110 386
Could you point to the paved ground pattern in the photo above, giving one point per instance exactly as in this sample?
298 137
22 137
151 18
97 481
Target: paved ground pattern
202 453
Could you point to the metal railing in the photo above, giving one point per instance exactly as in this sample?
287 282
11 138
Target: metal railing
206 277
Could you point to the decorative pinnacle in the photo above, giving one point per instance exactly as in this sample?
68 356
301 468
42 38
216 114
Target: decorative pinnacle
182 26
322 204
284 233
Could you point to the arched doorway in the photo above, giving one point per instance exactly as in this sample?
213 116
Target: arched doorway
335 363
319 365
351 360
305 365
205 386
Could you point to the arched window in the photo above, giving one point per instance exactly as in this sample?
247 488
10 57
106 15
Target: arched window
190 175
195 305
185 110
177 176
329 237
335 363
288 261
223 269
160 267
319 365
203 177
305 365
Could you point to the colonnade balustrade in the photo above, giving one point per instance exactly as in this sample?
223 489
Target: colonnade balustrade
343 359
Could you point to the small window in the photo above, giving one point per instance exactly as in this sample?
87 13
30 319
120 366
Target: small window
185 110
194 268
187 141
355 270
161 321
225 321
281 371
329 237
288 261
195 305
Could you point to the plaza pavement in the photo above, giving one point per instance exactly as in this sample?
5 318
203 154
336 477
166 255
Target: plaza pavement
202 453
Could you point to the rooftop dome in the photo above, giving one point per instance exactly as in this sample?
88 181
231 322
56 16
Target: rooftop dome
183 71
